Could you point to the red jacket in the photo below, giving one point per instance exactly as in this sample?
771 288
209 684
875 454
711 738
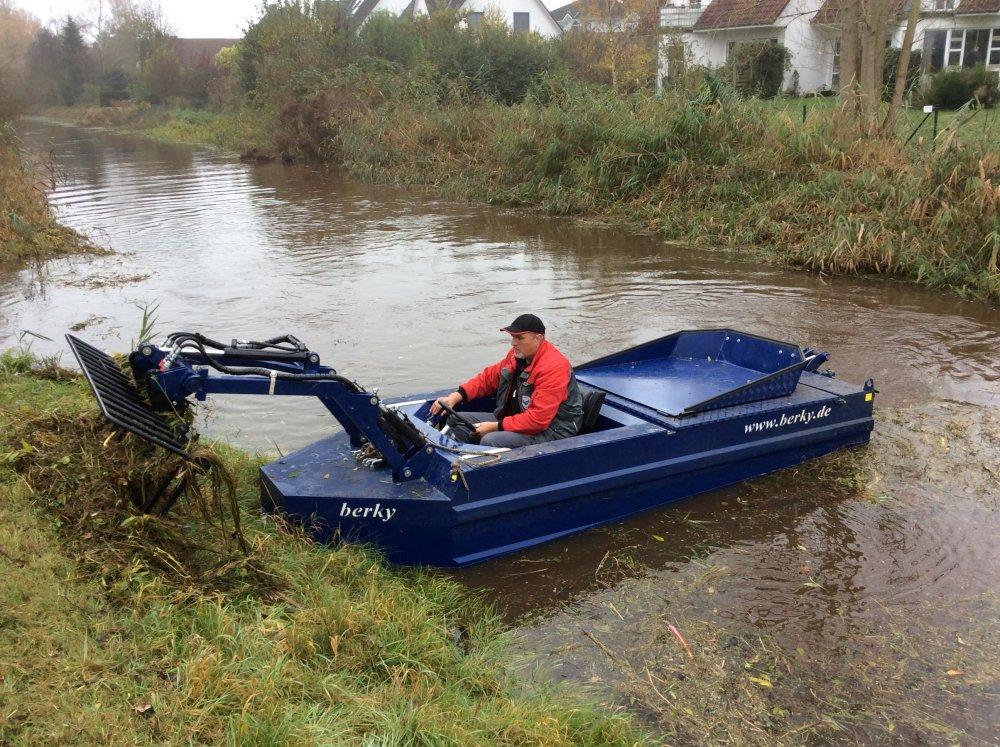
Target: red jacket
548 372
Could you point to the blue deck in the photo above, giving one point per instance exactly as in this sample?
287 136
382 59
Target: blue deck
691 371
669 385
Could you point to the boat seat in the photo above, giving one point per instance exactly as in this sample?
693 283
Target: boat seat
592 401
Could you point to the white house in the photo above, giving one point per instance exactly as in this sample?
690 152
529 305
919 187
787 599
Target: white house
604 16
950 33
522 15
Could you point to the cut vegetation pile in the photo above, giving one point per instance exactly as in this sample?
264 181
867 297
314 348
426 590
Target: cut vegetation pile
124 628
27 227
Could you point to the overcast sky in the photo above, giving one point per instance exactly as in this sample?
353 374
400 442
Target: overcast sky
192 18
198 18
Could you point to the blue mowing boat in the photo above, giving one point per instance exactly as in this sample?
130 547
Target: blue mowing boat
665 420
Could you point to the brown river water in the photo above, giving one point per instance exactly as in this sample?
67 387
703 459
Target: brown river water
853 600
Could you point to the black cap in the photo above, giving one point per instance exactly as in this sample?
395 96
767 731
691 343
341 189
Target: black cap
525 323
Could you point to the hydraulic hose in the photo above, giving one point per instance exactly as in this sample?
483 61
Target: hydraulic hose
183 339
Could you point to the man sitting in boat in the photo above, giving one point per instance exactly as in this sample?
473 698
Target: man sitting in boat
537 396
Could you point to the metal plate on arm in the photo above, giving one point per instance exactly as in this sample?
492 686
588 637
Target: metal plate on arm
120 400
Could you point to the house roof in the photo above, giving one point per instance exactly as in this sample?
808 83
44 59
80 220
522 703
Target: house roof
978 6
562 10
829 13
193 50
364 8
728 14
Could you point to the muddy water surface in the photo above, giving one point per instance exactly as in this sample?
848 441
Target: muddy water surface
849 600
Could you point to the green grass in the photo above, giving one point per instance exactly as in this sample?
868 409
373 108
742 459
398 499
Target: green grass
980 127
238 131
116 630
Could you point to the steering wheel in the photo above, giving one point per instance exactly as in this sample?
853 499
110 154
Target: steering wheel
450 412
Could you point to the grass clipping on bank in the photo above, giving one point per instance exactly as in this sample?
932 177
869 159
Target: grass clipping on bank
168 633
28 229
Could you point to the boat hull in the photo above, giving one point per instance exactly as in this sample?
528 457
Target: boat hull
547 492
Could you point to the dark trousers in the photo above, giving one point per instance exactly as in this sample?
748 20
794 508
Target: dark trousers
505 439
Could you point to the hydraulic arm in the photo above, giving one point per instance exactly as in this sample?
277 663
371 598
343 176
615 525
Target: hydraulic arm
189 364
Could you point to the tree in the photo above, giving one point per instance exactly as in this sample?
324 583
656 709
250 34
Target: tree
17 31
44 67
162 74
903 67
128 34
864 27
619 38
74 61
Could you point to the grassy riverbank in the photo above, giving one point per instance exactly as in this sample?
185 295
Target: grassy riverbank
703 170
123 629
236 131
721 171
28 229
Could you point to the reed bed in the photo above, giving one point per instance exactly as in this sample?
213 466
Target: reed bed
28 229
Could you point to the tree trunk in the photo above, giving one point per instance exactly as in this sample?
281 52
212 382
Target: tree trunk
864 27
849 52
875 25
904 68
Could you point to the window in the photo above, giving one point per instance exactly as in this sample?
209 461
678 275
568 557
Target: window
836 66
977 42
963 47
937 41
475 19
522 21
956 43
944 4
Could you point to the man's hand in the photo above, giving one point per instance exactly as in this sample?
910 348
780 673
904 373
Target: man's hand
490 426
451 400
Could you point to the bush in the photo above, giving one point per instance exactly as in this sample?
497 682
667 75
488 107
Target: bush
292 47
389 38
161 78
492 60
892 66
759 67
113 86
950 89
